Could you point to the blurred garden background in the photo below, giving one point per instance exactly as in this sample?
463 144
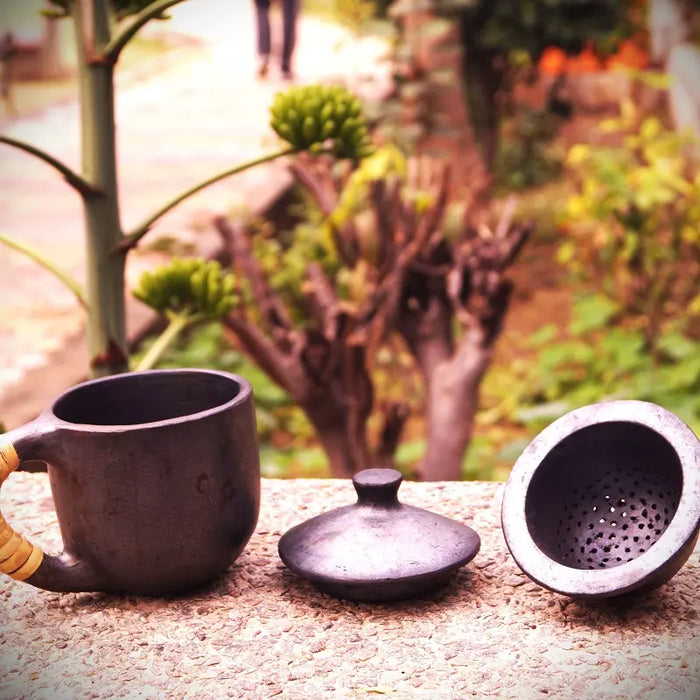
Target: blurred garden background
504 227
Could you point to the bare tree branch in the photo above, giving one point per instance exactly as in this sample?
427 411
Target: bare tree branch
270 305
324 303
259 347
395 415
320 189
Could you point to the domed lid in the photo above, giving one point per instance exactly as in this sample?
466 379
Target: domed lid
378 548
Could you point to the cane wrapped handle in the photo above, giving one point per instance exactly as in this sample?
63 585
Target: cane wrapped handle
19 558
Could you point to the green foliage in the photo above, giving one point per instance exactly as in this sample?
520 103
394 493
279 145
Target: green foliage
526 157
497 45
285 255
530 26
631 232
196 288
385 163
321 118
284 259
353 13
633 226
593 360
491 456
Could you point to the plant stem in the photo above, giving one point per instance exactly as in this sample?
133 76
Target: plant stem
177 324
82 186
112 50
67 280
106 329
133 237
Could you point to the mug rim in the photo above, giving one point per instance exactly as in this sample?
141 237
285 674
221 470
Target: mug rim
243 394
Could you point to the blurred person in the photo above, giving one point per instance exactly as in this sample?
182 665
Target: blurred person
290 10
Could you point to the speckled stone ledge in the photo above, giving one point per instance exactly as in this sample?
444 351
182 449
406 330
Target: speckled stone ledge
259 632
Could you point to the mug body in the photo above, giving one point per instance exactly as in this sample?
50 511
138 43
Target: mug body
156 479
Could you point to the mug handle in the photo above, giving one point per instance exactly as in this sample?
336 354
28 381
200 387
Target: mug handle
19 558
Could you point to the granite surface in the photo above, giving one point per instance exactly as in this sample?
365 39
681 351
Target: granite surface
260 632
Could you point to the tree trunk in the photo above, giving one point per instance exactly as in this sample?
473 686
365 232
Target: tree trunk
347 449
453 400
338 405
481 82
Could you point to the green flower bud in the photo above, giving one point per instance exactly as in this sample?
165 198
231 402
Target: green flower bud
321 117
310 129
192 286
328 129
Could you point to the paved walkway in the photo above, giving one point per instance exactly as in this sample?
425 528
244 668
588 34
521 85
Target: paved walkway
189 114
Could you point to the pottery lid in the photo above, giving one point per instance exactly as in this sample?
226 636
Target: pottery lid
377 541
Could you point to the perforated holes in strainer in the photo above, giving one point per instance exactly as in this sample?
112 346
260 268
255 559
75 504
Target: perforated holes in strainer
610 523
604 495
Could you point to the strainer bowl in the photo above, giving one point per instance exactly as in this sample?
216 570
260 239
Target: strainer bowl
605 500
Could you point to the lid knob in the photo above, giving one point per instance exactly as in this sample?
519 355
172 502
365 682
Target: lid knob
377 487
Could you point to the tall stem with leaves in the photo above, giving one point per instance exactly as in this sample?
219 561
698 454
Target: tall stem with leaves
105 262
102 30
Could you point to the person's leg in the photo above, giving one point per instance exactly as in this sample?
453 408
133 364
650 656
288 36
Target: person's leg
262 10
289 12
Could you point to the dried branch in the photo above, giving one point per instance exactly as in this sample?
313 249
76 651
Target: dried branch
382 195
323 300
270 305
435 215
395 415
320 187
266 355
325 191
359 393
504 223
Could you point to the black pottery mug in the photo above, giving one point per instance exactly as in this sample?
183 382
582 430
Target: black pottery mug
155 478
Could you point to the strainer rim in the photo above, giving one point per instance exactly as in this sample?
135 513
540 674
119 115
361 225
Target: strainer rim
586 582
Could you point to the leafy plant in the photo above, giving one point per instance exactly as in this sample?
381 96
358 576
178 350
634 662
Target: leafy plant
633 226
526 156
102 30
498 37
321 118
186 291
594 359
312 117
382 258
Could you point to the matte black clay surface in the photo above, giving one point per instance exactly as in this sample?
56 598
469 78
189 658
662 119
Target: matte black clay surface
605 500
155 478
378 549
